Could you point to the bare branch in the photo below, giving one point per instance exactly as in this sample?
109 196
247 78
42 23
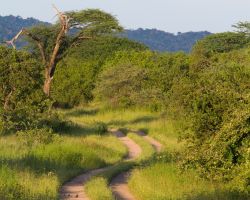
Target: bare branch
38 42
33 37
7 99
12 41
64 19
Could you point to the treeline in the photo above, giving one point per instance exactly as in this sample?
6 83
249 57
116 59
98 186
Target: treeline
206 91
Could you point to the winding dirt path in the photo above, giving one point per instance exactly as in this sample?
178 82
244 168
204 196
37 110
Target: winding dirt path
119 185
157 145
74 190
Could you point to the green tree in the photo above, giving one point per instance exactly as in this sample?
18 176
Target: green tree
204 49
53 42
22 100
79 69
141 78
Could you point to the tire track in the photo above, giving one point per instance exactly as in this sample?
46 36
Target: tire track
119 184
74 189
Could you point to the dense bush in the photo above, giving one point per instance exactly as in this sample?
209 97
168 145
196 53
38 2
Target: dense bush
22 100
139 78
214 44
36 137
215 104
74 82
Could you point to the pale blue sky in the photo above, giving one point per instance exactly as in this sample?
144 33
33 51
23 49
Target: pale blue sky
168 15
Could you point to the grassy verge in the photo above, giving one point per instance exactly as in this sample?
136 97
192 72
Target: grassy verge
37 172
103 181
103 192
162 181
155 124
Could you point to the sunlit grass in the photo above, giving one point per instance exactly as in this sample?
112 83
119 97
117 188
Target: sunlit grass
97 189
153 123
102 181
162 181
38 172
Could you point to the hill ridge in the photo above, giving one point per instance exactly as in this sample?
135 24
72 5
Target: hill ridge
155 39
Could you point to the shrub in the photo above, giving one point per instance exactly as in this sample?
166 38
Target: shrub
22 100
78 71
216 104
36 137
101 128
133 78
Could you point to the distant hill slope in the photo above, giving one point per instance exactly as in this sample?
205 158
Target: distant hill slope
164 41
153 38
10 25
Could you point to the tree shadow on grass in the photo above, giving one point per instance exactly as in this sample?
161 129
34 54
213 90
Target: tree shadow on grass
65 168
74 129
81 112
124 123
144 119
77 129
117 123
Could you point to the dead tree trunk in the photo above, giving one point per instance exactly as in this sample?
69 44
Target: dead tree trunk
47 83
50 60
7 100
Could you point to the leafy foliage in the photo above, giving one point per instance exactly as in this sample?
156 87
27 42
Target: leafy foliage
22 100
78 71
95 22
139 78
215 103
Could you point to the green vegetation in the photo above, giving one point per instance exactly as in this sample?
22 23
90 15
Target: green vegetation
149 76
164 181
37 170
79 70
196 105
103 193
23 104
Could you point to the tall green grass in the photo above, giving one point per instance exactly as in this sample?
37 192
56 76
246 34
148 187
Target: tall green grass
162 181
155 124
97 189
37 172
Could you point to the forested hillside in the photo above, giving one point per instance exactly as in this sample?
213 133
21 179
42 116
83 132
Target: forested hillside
163 41
153 38
10 25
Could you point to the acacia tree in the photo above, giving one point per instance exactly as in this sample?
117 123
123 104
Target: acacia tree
51 43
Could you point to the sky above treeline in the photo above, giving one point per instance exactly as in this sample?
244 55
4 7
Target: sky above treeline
168 15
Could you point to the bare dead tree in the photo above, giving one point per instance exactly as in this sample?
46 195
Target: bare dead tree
49 63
